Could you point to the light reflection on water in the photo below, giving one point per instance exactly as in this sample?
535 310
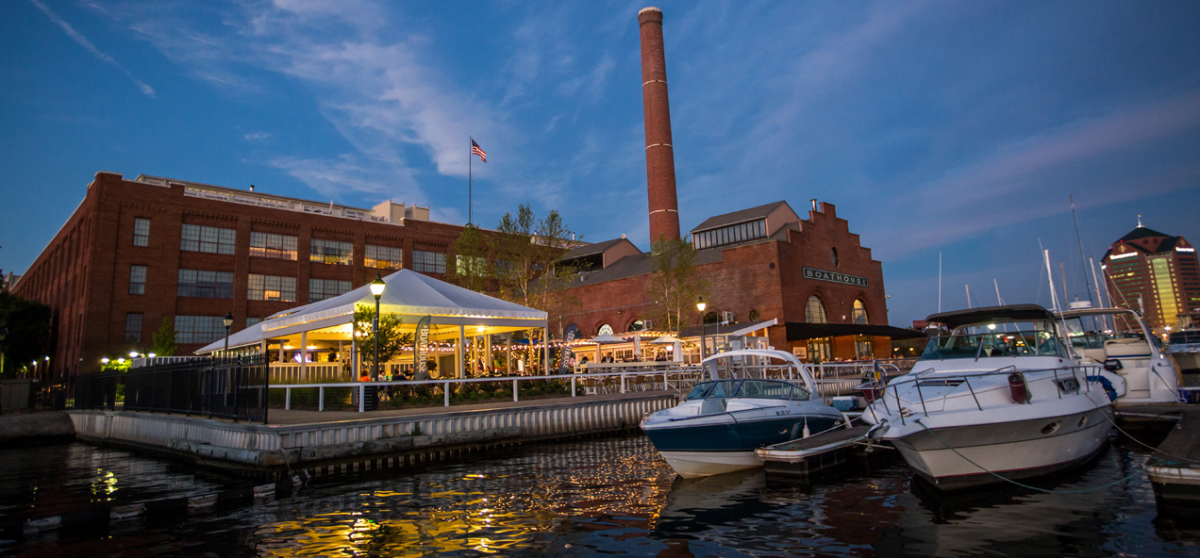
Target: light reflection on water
615 496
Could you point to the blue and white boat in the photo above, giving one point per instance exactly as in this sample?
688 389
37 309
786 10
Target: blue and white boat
737 409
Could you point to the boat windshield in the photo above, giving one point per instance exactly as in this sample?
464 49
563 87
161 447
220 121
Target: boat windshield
748 389
1091 331
999 339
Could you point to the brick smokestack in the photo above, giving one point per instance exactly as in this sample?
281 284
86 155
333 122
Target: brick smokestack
660 155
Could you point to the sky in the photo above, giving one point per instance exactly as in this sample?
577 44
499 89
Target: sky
951 130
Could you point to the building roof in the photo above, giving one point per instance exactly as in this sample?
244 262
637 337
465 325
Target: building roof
1141 232
593 249
741 216
637 264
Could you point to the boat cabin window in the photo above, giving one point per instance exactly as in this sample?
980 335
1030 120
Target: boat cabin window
749 389
995 339
1091 331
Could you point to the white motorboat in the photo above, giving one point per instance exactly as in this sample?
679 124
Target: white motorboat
744 402
1136 370
999 396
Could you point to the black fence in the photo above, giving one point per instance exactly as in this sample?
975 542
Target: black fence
233 388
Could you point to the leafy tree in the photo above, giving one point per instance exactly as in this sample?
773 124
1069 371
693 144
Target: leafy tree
391 339
675 286
472 264
164 339
28 324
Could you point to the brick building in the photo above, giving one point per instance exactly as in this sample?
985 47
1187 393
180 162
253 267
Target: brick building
1154 272
806 284
137 251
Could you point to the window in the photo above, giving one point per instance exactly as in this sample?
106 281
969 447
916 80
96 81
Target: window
815 312
272 287
732 234
137 279
863 349
429 262
133 328
833 256
205 284
321 289
384 257
470 266
212 240
199 329
141 232
860 312
277 246
252 321
332 252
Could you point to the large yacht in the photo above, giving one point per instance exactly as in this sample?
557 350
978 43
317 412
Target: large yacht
998 396
747 400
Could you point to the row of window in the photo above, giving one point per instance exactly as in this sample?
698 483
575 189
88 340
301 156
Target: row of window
219 284
814 312
730 235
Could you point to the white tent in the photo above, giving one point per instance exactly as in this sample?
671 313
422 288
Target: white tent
409 295
605 338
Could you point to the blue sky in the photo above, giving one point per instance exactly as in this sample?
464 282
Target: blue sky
957 128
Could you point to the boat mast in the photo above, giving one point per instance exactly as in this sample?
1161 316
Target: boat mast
1050 278
1079 238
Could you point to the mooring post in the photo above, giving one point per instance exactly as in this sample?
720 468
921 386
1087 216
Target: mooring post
446 392
287 400
622 383
362 397
321 398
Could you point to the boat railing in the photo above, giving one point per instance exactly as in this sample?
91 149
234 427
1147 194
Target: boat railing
923 378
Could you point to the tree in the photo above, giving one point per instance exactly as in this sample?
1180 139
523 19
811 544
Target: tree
472 266
164 339
391 339
675 285
28 324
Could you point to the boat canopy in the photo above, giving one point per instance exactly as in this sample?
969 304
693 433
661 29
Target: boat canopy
1011 313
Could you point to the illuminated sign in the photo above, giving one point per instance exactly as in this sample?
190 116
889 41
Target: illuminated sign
835 277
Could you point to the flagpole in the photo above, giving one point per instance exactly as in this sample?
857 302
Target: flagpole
470 155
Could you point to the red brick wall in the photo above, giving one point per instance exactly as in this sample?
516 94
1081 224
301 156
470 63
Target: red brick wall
83 274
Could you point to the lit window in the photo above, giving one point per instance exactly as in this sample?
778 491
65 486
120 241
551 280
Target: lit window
141 232
212 240
429 262
331 252
384 257
277 246
814 313
137 279
205 284
321 289
860 312
272 288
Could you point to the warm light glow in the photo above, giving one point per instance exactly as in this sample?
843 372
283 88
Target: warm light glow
287 347
47 359
311 347
104 360
481 329
377 286
700 304
121 360
152 355
992 327
133 354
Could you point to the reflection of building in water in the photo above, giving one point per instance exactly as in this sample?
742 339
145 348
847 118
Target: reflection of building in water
485 505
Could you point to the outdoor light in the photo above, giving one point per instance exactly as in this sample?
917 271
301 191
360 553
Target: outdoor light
104 360
228 323
121 360
133 354
483 329
311 347
700 304
48 358
992 327
287 347
152 355
377 287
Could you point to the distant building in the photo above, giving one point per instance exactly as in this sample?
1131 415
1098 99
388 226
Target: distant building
1153 272
137 251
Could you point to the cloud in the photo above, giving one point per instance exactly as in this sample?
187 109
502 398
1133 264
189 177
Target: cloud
85 43
256 136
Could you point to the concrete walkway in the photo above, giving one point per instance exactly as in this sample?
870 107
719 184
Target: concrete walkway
280 417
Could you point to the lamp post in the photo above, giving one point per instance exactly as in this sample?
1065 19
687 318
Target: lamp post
701 305
377 287
3 335
228 324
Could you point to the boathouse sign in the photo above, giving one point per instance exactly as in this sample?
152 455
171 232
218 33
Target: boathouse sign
834 277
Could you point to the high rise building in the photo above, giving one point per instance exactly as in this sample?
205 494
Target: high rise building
1155 273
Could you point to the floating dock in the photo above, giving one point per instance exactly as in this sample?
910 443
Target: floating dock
815 454
1174 468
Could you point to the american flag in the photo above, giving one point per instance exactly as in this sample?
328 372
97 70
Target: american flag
476 150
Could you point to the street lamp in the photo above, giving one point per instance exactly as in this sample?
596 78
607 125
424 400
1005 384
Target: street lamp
228 324
377 287
701 305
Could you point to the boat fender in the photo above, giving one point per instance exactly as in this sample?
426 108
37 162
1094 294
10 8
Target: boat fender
1107 385
1017 388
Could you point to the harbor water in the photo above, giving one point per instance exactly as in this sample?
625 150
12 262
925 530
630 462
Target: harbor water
586 498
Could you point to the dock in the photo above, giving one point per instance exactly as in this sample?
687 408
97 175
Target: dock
1174 468
327 443
816 454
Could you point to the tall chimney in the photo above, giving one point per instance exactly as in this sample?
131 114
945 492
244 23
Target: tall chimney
660 155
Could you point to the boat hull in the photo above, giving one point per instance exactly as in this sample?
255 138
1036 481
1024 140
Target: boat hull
700 450
1014 450
696 464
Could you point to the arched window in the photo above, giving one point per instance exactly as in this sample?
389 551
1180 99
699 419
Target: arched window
712 318
754 315
833 256
815 312
860 312
605 329
637 325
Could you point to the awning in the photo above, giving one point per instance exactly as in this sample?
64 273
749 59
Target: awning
797 331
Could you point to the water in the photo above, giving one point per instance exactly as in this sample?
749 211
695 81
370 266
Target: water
601 497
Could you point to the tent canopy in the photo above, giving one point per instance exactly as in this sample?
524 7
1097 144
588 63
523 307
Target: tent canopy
797 331
408 294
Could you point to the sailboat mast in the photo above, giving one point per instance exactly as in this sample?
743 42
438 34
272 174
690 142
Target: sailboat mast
968 296
1079 238
1050 278
939 281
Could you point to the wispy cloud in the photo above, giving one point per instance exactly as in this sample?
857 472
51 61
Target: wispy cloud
85 43
256 136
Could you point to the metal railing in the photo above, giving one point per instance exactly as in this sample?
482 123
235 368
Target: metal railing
232 388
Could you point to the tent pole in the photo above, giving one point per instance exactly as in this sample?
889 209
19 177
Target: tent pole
458 352
508 356
303 353
546 341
